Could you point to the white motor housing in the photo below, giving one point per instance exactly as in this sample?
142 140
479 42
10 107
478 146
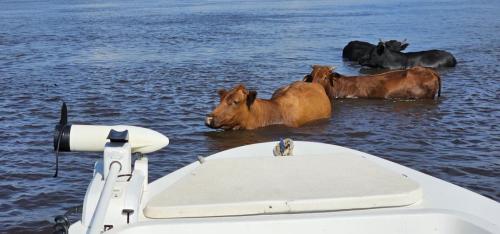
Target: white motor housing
93 138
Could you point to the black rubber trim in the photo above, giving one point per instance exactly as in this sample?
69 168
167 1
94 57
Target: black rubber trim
64 138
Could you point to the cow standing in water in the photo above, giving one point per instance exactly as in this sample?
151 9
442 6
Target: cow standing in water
356 50
413 83
383 57
292 105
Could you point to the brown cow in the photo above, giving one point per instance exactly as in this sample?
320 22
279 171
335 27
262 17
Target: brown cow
291 105
413 83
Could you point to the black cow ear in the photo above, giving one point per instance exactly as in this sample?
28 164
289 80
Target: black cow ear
330 78
380 48
307 78
403 46
333 77
222 93
251 98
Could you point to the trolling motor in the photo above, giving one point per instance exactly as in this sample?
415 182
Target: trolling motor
117 143
93 138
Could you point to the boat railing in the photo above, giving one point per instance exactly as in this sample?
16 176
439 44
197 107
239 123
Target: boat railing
97 220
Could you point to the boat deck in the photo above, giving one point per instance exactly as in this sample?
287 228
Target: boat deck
261 185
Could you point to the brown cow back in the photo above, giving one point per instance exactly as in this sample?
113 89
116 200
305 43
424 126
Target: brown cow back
292 105
413 83
302 102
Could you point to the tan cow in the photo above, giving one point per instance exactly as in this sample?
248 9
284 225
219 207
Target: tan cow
413 83
292 105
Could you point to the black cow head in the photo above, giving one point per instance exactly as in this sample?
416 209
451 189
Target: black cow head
395 45
376 56
386 55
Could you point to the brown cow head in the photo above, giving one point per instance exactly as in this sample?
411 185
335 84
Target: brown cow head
320 74
233 108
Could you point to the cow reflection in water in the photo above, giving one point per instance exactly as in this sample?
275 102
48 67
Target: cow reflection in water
413 83
292 105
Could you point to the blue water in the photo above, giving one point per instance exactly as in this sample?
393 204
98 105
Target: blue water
159 65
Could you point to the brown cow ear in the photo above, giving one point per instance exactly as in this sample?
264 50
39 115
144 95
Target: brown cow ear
251 98
307 78
222 93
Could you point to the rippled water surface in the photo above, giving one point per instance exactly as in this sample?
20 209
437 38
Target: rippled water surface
159 64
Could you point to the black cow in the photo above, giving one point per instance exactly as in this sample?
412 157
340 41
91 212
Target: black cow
355 50
383 57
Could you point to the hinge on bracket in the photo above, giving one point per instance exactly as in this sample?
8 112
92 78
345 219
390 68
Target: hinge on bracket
108 227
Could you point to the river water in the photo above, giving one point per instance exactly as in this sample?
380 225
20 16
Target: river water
159 65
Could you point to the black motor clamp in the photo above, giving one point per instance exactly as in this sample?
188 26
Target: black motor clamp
116 136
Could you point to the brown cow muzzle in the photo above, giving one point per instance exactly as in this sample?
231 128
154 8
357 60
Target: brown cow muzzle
210 121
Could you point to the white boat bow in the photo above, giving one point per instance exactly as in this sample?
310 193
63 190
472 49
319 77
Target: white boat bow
322 188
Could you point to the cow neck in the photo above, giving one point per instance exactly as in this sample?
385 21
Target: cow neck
350 87
262 113
342 87
397 57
